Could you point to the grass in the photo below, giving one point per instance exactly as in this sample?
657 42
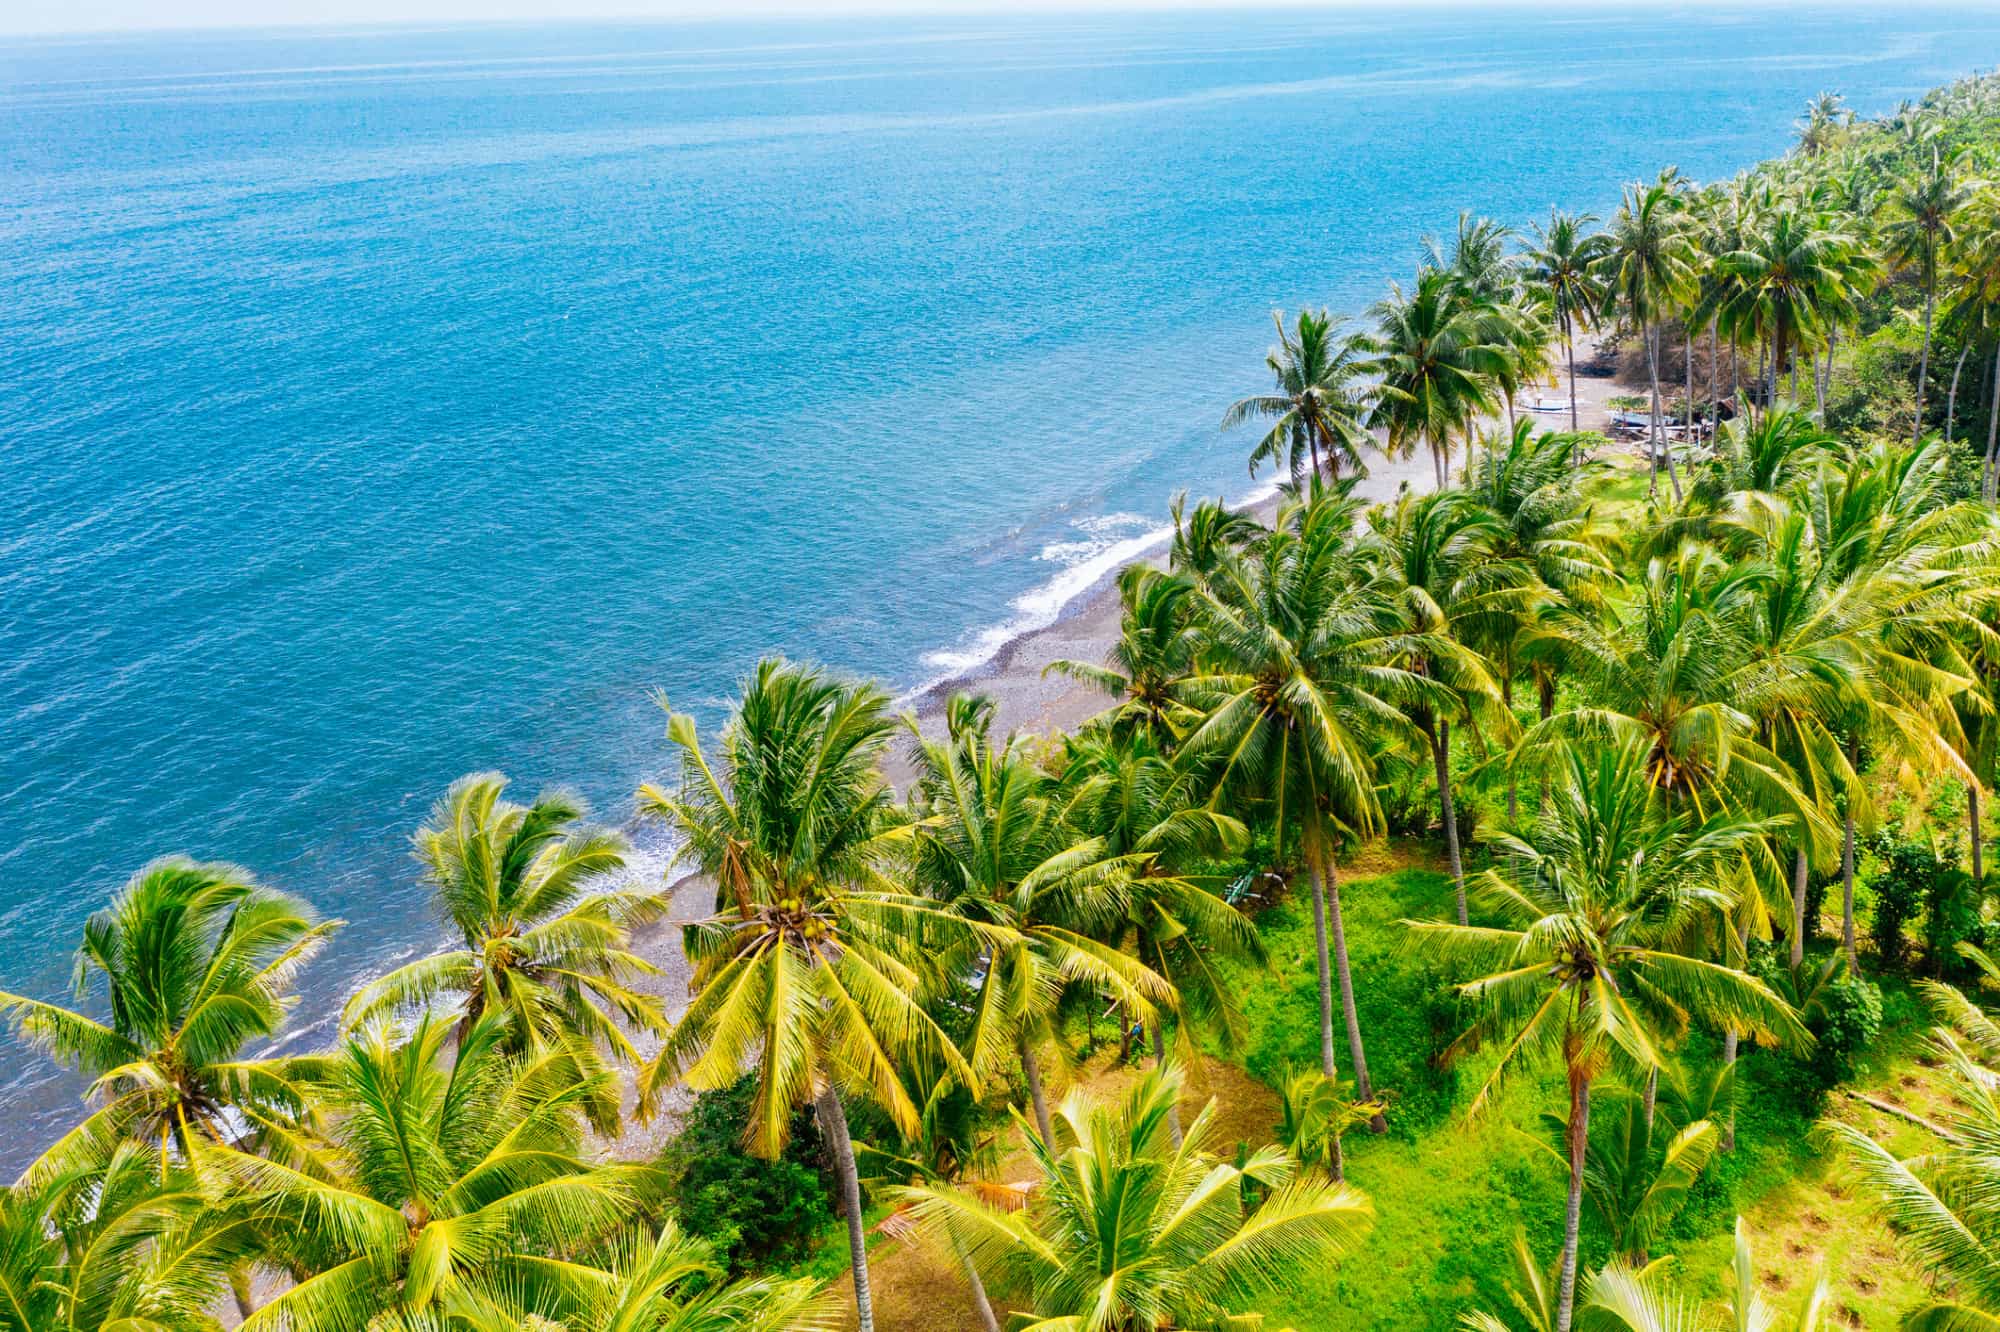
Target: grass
1449 1194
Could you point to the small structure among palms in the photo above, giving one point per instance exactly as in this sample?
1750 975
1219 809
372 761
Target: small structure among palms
545 932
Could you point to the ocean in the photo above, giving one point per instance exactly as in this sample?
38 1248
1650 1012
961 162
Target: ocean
379 405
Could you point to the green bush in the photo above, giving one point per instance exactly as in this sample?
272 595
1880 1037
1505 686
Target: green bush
757 1213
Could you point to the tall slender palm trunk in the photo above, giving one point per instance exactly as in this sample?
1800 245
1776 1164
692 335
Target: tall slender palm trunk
1441 756
1658 444
1951 398
1975 834
1799 868
1328 1066
1730 1041
1924 361
1992 421
833 1123
1579 1139
1031 1069
1569 353
981 1305
1174 1107
1847 866
1364 1090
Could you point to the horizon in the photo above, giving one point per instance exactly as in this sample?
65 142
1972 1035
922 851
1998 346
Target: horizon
83 20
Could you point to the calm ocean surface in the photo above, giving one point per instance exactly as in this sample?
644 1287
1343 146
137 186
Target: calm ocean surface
381 405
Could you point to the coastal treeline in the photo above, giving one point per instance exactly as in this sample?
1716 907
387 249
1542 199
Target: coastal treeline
1676 753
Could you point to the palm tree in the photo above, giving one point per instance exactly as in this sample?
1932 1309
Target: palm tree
1314 1116
1300 675
1923 224
1434 356
1649 267
1585 970
442 1187
1154 652
1933 1201
803 973
1563 270
1797 277
669 1281
1319 406
991 849
198 960
1438 556
952 1149
1621 1299
1130 1233
1635 1176
1819 127
527 889
1143 811
122 1247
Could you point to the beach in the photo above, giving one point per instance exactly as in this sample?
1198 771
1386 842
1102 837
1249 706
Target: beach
1028 700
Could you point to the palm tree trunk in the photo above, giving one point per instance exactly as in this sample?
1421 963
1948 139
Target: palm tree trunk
1031 1069
1687 407
1337 1163
980 1304
1730 1040
1951 398
1579 1137
1327 1064
1653 366
1363 1089
240 1291
1973 830
1714 357
1992 422
1441 757
1799 907
1847 867
1174 1109
833 1123
1653 431
1650 1098
1569 354
1924 362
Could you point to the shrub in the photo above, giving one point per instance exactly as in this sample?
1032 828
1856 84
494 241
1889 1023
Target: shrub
756 1212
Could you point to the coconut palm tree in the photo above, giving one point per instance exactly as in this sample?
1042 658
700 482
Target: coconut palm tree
1320 404
1819 129
1637 1169
119 1247
1622 1299
1434 357
441 1188
198 961
1314 1117
1933 1201
669 1281
1584 970
1438 556
1797 275
528 890
991 848
1301 674
804 974
1649 270
1564 272
1145 813
953 1148
1129 1232
1155 651
1923 225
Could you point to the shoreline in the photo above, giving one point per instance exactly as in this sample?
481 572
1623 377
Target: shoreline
1027 702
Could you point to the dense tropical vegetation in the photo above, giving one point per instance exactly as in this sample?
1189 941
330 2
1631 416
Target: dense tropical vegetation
1543 850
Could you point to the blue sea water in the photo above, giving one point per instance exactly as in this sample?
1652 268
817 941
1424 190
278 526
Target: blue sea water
379 405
